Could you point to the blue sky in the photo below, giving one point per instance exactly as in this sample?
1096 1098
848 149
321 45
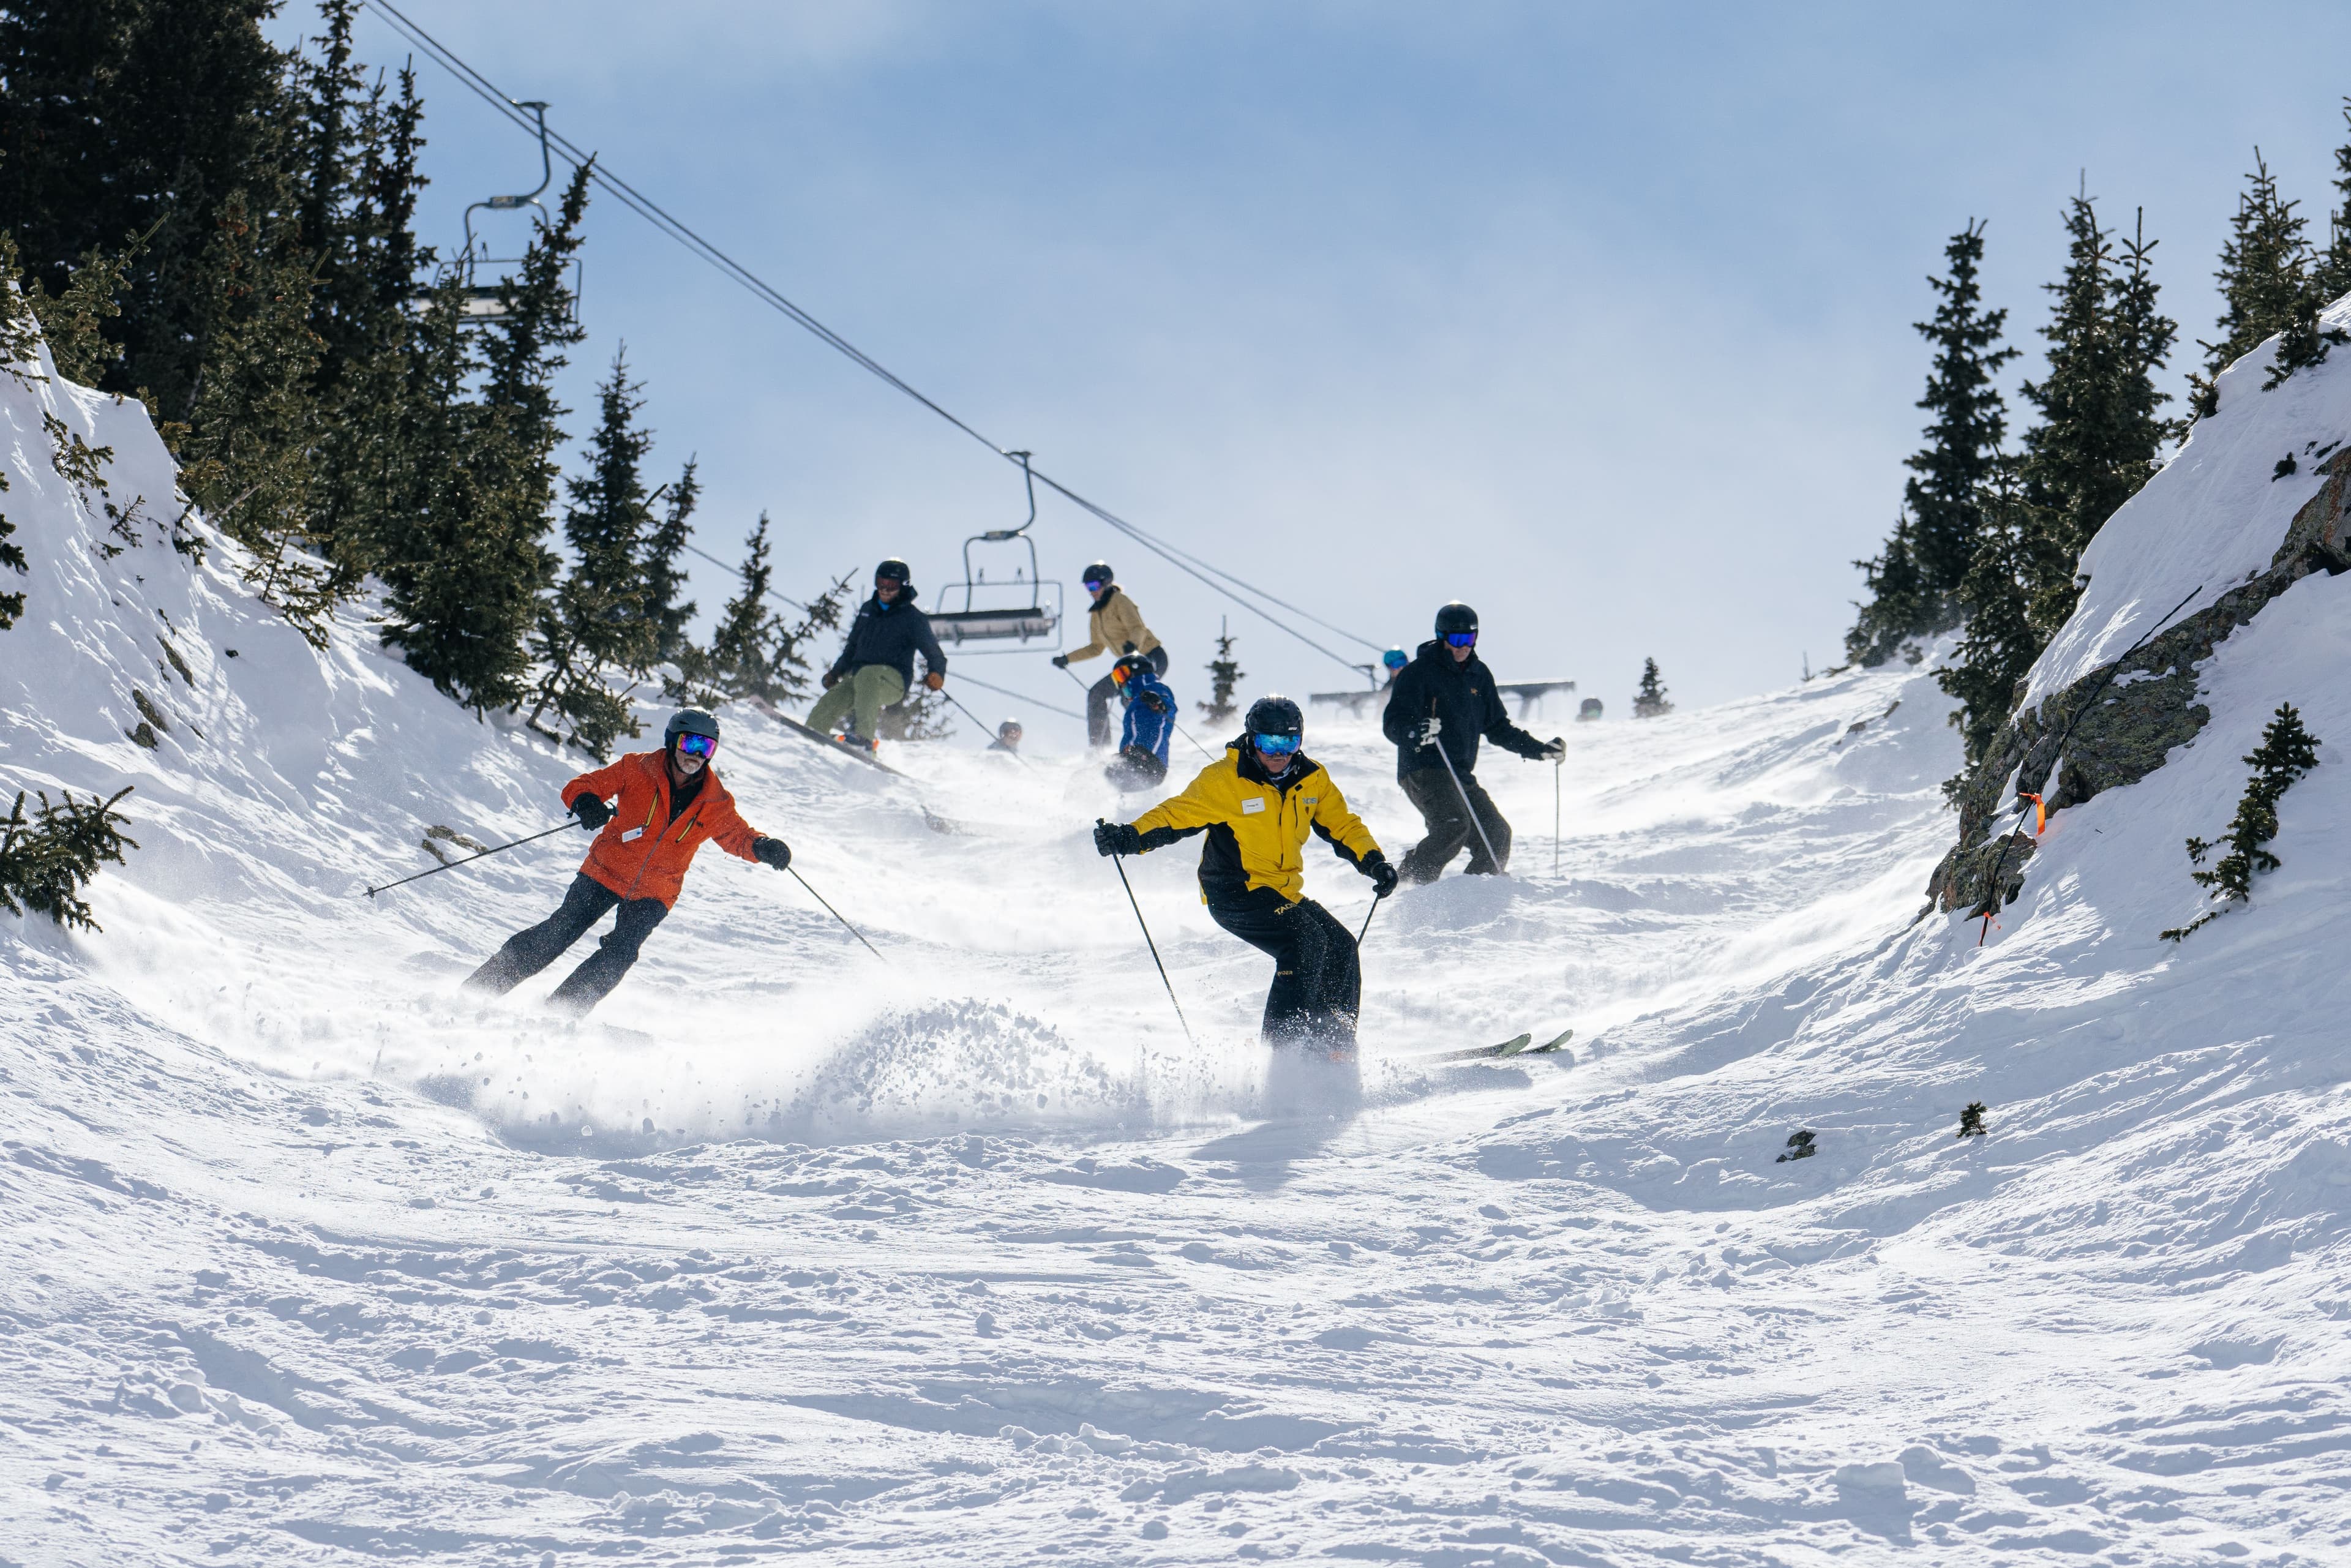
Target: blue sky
1595 317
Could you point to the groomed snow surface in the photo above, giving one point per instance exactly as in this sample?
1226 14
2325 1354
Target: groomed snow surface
966 1256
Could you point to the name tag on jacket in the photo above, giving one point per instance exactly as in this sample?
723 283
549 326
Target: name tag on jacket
1251 807
633 835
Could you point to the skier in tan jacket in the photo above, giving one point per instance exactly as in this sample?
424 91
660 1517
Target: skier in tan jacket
1113 626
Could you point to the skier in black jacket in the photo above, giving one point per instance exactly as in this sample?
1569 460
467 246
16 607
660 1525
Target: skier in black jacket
1437 708
876 666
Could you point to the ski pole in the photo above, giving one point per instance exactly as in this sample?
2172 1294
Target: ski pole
836 913
1374 909
1153 945
1495 860
1992 892
1556 764
976 719
452 866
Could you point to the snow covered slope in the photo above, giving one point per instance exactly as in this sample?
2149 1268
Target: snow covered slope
966 1256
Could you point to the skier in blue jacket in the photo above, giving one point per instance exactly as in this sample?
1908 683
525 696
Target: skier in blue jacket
1142 760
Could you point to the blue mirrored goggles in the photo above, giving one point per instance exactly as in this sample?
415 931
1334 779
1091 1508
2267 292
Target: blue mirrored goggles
1461 639
1276 745
697 745
1394 659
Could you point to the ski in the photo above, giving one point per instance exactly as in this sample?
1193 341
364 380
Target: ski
1517 1045
823 739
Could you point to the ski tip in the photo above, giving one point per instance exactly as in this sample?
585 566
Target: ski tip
1551 1045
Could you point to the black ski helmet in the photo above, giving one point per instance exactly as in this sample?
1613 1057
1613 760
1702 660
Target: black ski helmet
1127 668
1098 574
895 569
688 721
1456 617
1274 716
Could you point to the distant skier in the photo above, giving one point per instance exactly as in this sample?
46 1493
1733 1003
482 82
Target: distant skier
1142 760
670 801
1393 660
1007 737
877 665
1257 804
1446 698
1114 625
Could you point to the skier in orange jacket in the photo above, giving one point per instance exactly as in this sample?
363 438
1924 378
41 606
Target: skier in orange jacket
669 802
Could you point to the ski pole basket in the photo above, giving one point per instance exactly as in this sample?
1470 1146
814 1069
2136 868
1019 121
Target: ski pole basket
1021 610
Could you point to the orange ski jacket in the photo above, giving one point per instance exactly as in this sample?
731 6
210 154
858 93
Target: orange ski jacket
641 854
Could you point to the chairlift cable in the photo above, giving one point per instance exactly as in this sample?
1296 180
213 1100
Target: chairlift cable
1016 696
1231 587
779 598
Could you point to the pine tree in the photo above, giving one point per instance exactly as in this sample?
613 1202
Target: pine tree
2099 436
248 455
2287 752
1898 606
597 623
1649 700
1913 584
129 117
664 579
73 323
466 561
49 857
2000 644
2264 281
1225 675
752 652
356 183
2333 272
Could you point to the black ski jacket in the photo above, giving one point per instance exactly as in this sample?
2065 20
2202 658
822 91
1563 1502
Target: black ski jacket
891 634
1463 697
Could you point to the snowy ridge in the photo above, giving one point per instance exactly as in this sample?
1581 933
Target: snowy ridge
966 1256
2214 516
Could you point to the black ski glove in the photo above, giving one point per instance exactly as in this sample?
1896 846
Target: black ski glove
1060 661
1383 875
1117 839
592 813
771 851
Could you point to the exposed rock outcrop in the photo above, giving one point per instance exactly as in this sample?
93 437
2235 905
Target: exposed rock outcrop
2140 708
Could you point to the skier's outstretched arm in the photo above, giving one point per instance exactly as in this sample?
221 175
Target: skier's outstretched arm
598 783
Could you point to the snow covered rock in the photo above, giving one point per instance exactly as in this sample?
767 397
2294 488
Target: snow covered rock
2254 502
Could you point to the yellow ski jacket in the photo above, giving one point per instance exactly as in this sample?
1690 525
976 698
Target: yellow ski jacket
1257 824
1112 626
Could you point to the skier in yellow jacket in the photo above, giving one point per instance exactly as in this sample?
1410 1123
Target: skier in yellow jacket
1113 626
1257 804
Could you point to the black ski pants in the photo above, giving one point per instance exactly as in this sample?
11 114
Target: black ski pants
1100 731
585 902
1317 985
1431 792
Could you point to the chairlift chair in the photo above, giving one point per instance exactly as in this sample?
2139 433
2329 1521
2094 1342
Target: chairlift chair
1022 610
483 304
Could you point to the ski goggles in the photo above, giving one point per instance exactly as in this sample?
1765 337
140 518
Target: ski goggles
1394 659
700 745
1276 745
1120 674
1461 639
